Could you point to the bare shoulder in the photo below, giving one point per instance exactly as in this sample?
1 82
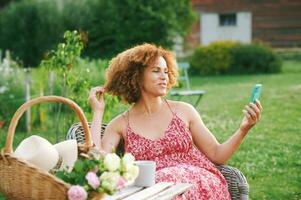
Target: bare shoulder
180 106
183 110
118 124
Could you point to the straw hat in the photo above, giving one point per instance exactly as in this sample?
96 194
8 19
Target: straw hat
43 154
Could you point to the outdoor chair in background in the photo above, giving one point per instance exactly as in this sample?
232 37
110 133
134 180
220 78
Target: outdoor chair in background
186 91
237 183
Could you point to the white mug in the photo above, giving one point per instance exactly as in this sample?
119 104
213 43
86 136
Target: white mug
147 173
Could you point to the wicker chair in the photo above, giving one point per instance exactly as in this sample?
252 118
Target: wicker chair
237 182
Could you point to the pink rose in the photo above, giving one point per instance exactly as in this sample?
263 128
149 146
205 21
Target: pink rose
121 183
93 180
77 192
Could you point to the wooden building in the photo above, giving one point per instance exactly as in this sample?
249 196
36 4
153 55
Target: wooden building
277 22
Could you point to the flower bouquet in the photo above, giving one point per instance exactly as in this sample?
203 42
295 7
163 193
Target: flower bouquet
95 175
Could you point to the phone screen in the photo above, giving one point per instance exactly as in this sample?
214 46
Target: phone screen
256 92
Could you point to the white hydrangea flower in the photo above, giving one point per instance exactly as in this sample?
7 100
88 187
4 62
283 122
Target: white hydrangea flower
127 161
112 162
109 180
131 173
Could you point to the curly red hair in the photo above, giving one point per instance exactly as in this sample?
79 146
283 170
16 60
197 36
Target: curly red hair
125 72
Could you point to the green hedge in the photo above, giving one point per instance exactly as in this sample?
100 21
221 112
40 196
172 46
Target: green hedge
254 58
212 59
29 29
228 57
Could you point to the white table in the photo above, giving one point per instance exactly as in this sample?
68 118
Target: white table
160 191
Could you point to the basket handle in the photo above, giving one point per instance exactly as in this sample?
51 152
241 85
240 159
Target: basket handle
8 148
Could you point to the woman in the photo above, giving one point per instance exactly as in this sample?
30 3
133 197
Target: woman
171 133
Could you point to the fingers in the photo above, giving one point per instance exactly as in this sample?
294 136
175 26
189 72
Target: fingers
254 108
96 96
253 111
247 114
97 90
250 111
259 105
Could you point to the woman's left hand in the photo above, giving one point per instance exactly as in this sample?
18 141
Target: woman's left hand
252 114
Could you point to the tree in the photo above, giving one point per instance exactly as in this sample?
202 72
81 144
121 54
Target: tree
29 28
115 25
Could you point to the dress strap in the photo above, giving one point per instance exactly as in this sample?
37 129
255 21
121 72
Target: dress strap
126 117
173 113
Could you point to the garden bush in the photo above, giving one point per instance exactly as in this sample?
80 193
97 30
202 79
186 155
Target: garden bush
253 59
228 57
213 59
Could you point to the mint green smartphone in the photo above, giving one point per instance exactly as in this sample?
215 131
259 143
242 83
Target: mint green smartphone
256 91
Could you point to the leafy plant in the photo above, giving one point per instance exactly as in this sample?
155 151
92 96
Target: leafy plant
66 54
77 75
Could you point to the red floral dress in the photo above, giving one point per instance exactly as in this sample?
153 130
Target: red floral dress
178 160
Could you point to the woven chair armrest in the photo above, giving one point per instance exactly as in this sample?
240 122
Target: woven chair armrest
237 183
76 131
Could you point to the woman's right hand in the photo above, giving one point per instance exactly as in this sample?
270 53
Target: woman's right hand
96 99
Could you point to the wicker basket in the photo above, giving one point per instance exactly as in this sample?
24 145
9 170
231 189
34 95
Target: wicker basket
22 180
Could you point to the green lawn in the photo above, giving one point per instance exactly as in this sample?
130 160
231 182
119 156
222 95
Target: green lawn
270 156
